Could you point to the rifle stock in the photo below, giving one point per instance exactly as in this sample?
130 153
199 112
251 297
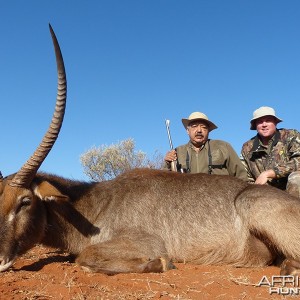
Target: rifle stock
174 165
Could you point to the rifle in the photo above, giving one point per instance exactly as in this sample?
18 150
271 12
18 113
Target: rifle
173 163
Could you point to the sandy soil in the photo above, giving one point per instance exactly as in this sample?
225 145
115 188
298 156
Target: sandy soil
45 273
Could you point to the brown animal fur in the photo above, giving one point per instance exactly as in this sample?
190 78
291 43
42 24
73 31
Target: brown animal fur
145 219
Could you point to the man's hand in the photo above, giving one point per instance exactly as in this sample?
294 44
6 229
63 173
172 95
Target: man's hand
265 176
171 156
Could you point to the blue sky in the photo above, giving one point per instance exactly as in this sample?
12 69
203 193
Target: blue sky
131 64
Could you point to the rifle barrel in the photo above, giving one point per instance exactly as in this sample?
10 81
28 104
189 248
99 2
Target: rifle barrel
173 163
169 134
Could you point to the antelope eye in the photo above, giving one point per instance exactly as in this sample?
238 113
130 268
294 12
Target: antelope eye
25 201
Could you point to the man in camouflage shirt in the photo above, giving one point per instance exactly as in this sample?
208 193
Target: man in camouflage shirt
203 155
273 155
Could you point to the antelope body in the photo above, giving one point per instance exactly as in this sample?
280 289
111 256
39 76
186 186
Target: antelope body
144 220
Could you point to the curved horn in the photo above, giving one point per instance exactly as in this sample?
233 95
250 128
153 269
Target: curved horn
26 174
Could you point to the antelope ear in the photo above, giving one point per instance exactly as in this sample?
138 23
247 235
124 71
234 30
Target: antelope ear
47 192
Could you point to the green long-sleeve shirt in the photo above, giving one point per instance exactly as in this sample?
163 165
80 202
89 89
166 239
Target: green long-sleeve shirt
224 160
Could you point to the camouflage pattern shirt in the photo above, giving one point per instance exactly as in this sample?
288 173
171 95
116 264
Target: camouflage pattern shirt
281 155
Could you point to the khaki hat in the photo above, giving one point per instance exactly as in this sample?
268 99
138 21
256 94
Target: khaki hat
198 116
262 112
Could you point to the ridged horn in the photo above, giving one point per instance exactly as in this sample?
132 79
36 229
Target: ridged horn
25 175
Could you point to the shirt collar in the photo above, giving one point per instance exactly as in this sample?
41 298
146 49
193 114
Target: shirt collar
194 148
258 146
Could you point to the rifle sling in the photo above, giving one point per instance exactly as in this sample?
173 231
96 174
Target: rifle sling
210 165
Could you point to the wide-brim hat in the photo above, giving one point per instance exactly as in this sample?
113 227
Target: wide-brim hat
262 112
198 116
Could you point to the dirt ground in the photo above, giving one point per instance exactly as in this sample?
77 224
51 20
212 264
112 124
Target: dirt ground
45 273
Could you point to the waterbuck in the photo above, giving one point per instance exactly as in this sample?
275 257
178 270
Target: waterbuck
144 220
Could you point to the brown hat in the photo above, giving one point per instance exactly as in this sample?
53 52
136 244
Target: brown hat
198 116
262 112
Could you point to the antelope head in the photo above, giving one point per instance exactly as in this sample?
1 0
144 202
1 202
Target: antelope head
20 212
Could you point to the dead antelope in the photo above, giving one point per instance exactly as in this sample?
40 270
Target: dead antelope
145 220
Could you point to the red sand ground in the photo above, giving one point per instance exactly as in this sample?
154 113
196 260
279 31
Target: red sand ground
45 273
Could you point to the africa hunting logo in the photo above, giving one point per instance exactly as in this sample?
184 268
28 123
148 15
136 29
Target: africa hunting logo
281 284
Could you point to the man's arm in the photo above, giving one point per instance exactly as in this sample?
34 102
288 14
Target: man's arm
245 164
235 166
292 153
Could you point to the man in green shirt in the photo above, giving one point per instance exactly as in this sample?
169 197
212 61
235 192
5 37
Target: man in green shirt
203 155
273 155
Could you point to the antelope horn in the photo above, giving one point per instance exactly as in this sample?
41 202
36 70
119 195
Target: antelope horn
26 174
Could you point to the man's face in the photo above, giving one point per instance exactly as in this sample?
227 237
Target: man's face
198 132
266 126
